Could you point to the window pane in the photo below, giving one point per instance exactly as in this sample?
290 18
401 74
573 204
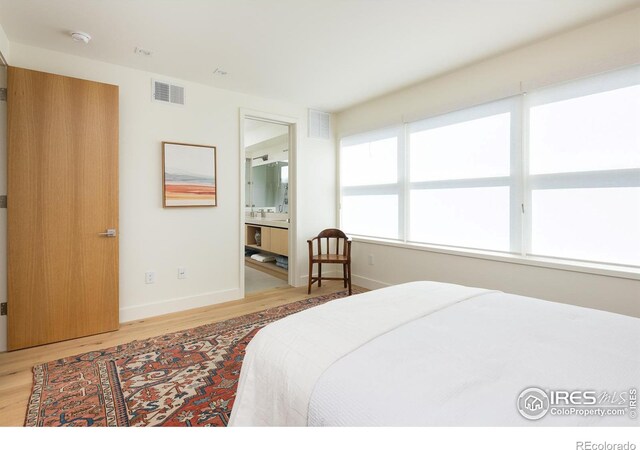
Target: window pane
593 132
371 215
475 149
474 217
371 163
600 224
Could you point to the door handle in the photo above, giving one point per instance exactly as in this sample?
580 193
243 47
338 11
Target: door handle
111 232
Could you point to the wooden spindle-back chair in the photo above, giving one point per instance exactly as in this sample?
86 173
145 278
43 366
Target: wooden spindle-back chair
332 247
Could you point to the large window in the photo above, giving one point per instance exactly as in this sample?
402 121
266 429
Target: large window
371 188
555 173
584 170
459 173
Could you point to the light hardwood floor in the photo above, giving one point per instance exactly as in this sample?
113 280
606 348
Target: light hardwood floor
15 367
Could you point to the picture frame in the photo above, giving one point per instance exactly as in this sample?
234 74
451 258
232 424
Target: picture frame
189 175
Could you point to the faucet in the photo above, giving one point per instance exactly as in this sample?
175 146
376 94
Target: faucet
263 213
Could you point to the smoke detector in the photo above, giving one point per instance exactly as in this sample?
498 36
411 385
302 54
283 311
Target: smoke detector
79 36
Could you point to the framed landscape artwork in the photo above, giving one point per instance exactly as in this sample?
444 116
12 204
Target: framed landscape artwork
189 175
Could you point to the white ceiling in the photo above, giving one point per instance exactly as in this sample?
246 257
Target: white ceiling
325 54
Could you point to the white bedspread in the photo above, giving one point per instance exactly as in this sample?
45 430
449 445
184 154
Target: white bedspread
432 354
466 365
285 359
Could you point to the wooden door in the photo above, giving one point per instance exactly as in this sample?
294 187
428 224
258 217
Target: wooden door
62 193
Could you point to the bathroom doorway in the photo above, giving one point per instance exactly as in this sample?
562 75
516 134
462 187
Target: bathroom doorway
267 213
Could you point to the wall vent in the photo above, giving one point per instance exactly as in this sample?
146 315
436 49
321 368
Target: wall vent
167 93
319 125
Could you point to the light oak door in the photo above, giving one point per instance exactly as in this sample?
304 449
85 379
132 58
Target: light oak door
62 194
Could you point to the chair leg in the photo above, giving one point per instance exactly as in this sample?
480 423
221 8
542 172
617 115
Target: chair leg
349 270
319 274
344 274
310 276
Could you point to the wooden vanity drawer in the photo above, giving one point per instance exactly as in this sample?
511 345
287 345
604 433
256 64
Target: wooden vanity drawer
274 240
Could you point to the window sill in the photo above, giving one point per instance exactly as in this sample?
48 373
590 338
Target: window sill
551 263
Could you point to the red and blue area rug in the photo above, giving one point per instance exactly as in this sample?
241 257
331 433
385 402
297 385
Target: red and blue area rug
187 378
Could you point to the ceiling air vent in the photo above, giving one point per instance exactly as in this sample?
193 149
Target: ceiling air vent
319 125
167 92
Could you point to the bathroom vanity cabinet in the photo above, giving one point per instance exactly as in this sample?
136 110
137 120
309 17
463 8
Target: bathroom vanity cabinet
272 239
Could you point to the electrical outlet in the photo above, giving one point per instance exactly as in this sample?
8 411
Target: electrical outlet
182 273
370 260
150 277
3 308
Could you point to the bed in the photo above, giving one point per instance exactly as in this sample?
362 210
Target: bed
433 354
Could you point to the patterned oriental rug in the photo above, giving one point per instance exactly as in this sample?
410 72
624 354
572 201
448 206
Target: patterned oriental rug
187 378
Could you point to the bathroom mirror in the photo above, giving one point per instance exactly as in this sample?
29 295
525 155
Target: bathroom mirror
266 166
269 187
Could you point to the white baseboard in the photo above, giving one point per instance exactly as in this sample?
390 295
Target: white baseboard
130 313
304 279
368 282
358 280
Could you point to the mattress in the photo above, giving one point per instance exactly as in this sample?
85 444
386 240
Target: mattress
432 354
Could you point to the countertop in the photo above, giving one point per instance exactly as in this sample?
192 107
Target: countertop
266 222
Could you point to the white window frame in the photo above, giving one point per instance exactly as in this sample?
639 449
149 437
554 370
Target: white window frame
574 180
521 183
511 105
378 189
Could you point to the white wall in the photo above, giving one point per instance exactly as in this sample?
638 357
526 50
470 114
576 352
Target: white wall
4 45
601 46
204 240
394 265
604 45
